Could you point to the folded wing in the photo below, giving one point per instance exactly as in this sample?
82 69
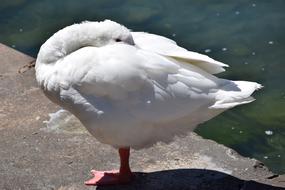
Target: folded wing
167 47
142 84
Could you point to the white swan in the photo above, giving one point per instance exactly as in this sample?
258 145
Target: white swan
133 89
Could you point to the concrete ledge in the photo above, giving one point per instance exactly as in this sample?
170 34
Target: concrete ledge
59 154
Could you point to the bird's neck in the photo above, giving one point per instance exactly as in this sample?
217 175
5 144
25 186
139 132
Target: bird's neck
68 40
60 45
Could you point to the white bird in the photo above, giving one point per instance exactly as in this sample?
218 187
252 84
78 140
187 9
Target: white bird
133 89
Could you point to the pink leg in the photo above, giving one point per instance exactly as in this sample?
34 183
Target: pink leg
123 176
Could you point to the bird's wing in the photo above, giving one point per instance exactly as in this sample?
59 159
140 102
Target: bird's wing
168 47
139 97
142 84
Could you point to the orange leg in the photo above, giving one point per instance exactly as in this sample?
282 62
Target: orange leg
123 176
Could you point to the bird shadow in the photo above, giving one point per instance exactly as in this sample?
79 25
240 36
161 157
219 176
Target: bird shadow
190 179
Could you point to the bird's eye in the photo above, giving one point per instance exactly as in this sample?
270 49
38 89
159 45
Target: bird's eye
118 40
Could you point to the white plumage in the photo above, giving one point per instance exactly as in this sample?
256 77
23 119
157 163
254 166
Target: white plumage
133 89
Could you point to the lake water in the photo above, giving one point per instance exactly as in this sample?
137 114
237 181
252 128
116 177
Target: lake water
247 35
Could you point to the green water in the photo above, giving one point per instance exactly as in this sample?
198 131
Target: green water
247 35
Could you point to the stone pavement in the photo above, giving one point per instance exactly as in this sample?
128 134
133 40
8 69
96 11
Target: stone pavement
42 152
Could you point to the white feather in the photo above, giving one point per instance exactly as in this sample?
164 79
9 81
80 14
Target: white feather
167 47
133 95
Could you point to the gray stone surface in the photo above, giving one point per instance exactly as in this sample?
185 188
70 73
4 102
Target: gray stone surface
59 153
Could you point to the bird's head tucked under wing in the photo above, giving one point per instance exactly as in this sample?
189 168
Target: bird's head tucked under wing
109 32
77 36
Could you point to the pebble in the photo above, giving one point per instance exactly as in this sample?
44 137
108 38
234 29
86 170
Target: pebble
69 162
258 164
270 42
224 49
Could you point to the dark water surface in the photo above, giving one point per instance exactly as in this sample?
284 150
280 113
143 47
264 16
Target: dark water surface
247 35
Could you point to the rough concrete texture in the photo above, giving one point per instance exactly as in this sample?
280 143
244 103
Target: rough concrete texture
59 153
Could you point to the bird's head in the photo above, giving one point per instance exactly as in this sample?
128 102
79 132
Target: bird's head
110 32
77 36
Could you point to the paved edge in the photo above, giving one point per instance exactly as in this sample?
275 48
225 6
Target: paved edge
35 158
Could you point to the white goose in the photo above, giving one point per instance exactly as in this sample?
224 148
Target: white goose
132 89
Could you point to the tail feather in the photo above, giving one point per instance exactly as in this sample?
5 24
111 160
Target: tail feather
235 93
